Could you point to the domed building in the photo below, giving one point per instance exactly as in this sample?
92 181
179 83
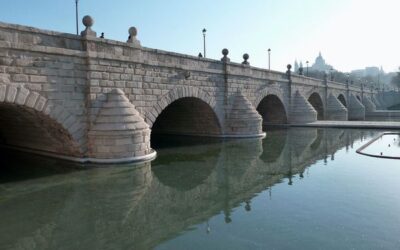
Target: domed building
320 64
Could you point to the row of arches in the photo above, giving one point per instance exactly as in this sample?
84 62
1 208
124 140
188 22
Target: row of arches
193 116
187 112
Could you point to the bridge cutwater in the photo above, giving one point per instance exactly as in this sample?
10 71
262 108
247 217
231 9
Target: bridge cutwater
91 99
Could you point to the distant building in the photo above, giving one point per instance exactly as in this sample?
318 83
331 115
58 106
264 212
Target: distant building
296 66
320 64
368 71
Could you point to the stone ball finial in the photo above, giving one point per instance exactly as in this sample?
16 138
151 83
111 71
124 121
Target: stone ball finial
245 57
87 21
225 52
132 37
132 31
289 73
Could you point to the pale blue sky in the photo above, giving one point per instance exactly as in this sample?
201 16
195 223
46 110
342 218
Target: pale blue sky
351 34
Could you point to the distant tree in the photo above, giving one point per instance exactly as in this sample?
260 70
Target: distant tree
396 80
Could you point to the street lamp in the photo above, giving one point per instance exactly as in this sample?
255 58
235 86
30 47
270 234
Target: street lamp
269 59
307 67
76 15
204 42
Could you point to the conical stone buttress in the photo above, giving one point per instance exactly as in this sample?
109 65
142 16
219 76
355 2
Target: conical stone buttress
243 118
119 133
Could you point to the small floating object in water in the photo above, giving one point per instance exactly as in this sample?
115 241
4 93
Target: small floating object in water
389 145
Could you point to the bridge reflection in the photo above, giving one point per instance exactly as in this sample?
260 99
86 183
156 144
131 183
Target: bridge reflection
144 205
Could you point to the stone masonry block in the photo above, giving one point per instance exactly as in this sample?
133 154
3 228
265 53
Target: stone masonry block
3 90
115 76
95 75
31 100
38 78
40 103
22 96
11 94
20 78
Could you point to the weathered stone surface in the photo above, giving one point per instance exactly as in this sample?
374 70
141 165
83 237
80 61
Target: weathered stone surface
301 111
335 110
356 109
117 126
243 118
68 83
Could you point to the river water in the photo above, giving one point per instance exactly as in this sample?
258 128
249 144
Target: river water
300 188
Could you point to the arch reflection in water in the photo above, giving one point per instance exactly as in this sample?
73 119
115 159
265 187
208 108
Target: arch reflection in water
143 205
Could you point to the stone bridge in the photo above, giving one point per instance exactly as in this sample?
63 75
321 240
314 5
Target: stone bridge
85 98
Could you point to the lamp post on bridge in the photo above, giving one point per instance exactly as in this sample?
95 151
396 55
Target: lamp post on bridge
76 16
204 42
269 59
307 68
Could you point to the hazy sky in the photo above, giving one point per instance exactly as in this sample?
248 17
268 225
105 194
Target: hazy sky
351 34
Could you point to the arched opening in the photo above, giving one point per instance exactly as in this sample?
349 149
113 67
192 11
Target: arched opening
316 101
272 111
342 100
27 128
187 116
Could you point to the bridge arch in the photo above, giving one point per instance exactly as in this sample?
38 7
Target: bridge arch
29 121
270 91
185 110
272 110
342 99
316 101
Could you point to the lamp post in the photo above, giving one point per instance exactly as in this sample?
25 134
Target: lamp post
269 59
307 67
76 16
204 42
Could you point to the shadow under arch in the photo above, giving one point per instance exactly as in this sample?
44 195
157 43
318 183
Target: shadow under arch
272 110
27 128
316 101
30 122
342 99
187 116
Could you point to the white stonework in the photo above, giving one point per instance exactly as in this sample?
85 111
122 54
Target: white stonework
98 98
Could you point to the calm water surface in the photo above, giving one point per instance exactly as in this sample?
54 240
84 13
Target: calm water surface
295 189
385 145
